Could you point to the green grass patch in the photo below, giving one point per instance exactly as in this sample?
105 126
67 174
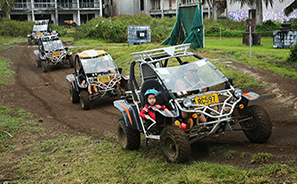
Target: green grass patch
10 40
263 56
5 72
13 123
81 159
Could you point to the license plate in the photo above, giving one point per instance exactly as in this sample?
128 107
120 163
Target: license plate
207 99
39 34
103 78
56 54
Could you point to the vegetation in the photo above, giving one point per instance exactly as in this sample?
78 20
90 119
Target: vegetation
114 29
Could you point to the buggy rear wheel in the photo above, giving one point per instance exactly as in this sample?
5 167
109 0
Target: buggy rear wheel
38 63
74 96
70 61
175 144
129 138
44 66
85 100
30 41
258 128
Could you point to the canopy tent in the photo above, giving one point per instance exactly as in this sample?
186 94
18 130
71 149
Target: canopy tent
188 27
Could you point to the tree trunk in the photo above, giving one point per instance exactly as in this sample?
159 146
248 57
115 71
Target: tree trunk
259 12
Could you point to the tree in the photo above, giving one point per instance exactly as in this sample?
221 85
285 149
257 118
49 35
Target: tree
5 5
259 8
289 9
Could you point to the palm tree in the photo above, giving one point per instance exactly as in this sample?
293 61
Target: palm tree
259 9
289 9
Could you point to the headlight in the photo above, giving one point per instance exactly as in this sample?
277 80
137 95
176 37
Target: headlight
91 80
237 93
187 102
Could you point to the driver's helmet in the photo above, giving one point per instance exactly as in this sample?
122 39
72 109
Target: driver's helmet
150 91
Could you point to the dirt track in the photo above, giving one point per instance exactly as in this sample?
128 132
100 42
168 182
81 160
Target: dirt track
46 95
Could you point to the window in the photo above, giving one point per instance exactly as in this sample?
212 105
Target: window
141 5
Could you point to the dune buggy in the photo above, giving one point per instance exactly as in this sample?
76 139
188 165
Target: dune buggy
216 99
95 76
40 27
52 52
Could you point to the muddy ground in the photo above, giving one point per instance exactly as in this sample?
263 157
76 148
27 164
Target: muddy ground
46 95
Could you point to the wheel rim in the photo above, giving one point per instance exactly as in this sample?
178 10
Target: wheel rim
170 147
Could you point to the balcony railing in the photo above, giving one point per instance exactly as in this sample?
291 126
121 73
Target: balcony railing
67 5
23 5
89 5
49 5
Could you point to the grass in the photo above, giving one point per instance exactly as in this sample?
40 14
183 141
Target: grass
9 40
5 72
263 56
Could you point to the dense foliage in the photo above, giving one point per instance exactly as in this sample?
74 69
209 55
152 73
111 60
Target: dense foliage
15 28
114 29
293 56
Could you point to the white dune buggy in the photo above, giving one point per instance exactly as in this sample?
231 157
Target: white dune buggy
216 99
40 27
95 76
52 52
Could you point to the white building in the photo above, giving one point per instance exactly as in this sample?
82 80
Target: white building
83 10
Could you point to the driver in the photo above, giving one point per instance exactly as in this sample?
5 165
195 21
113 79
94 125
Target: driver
91 89
189 82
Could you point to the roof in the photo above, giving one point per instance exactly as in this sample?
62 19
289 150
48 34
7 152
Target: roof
91 53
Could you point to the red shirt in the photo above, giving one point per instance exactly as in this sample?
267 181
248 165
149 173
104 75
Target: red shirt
146 111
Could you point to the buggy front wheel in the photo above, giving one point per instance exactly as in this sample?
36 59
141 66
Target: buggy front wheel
85 100
129 138
175 144
44 66
258 128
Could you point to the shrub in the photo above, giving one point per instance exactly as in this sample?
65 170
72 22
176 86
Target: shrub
114 29
15 28
293 55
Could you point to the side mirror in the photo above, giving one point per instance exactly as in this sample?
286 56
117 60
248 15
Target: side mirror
228 83
120 70
66 48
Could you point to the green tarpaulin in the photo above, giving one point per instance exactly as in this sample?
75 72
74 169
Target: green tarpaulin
188 27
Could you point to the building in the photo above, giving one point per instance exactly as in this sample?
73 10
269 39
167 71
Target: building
83 10
56 10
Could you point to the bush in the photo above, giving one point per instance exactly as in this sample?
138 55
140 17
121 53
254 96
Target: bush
114 29
293 55
15 28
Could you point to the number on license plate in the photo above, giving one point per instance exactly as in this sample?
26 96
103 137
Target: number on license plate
103 78
39 34
207 99
56 54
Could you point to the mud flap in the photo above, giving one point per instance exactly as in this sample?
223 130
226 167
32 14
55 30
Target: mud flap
37 55
130 114
72 82
251 96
